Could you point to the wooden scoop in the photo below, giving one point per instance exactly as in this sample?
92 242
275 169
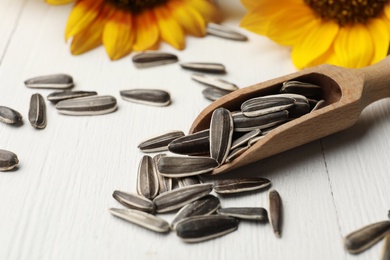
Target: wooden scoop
346 93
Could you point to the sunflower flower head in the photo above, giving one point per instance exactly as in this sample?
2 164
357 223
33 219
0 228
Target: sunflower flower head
353 33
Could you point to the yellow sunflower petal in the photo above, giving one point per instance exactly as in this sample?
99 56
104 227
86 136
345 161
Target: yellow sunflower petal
380 39
170 30
250 4
206 9
189 19
59 2
255 22
329 57
147 33
88 39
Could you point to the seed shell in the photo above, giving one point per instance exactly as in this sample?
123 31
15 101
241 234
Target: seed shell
228 186
8 160
152 97
249 213
386 248
193 144
208 67
165 183
188 181
147 180
10 116
221 131
133 201
159 142
246 124
68 94
87 106
213 93
55 81
175 167
37 111
275 211
223 31
216 83
153 59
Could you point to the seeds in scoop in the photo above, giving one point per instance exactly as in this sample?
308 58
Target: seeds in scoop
159 142
8 160
228 186
214 93
245 138
302 88
188 181
202 228
142 219
204 67
265 105
202 207
10 116
320 104
63 95
362 239
147 180
87 106
193 144
259 214
165 183
233 154
275 211
153 59
214 82
246 124
37 112
177 198
176 167
221 131
386 247
55 81
299 109
133 201
224 32
152 97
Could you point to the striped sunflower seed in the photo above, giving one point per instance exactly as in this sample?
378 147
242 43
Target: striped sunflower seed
55 81
208 67
299 109
242 140
188 181
165 183
275 211
202 228
142 219
133 201
265 105
214 93
301 88
386 248
194 144
147 180
177 198
259 214
176 167
159 142
228 186
87 106
320 104
223 31
68 94
214 82
365 237
37 111
233 154
152 97
246 124
10 116
202 207
221 131
8 160
254 140
153 59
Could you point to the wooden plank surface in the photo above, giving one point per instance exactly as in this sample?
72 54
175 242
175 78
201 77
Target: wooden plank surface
55 205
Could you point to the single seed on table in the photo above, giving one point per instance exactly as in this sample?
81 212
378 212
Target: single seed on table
214 93
365 237
177 198
265 105
188 181
214 82
194 144
386 247
8 160
224 32
202 207
87 106
68 94
142 219
202 228
10 116
152 97
250 213
133 201
159 142
302 88
245 138
320 104
208 67
233 154
221 131
165 183
176 167
275 211
147 180
153 59
246 124
37 111
55 81
228 186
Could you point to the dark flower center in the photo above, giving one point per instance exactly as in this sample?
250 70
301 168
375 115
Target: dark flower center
347 12
136 6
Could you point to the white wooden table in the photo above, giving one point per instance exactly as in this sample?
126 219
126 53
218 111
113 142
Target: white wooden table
55 205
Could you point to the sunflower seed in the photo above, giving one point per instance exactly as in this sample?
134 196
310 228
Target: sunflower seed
177 198
55 81
8 160
265 131
202 207
259 214
152 59
296 97
159 142
386 248
142 219
299 109
240 185
202 228
10 116
214 93
165 183
37 112
204 67
265 105
245 138
244 124
254 140
224 32
221 131
147 180
236 152
320 104
275 211
152 97
302 88
133 201
362 239
214 82
175 167
68 94
193 144
188 181
87 106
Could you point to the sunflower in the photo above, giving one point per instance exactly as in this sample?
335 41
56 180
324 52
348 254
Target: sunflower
349 33
126 25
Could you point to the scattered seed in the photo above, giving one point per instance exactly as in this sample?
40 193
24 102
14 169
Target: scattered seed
194 144
265 105
133 201
10 116
215 82
68 94
87 106
302 88
188 181
152 97
245 124
259 214
228 186
176 167
159 142
55 81
165 183
221 131
275 211
224 32
214 93
245 138
8 160
37 112
204 67
386 247
153 59
147 180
